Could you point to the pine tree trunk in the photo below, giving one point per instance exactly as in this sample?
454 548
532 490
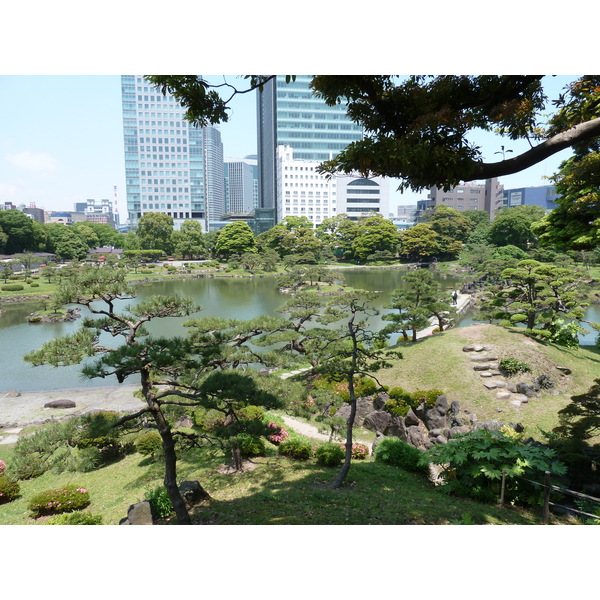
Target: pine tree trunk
349 428
168 444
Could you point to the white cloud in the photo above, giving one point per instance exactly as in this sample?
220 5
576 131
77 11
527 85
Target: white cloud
33 161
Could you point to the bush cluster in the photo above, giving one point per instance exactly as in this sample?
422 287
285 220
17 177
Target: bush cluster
394 451
9 490
276 433
149 443
329 454
359 451
401 401
75 518
250 445
296 449
160 503
61 500
512 366
12 287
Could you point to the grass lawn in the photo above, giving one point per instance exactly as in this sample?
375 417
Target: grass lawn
439 362
276 491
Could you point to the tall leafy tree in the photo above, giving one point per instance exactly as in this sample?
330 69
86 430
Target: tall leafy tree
154 232
234 238
514 226
189 241
421 243
23 233
375 234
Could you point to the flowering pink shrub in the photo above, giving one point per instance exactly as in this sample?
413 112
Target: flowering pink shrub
2 467
359 451
277 434
9 490
53 502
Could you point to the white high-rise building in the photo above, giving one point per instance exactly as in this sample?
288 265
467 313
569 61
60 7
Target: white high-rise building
171 166
357 196
303 191
240 188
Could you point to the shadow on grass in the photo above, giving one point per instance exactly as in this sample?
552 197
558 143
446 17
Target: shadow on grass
280 492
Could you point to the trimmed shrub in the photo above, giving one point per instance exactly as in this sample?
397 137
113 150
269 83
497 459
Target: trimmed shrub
75 518
393 451
149 443
250 445
12 287
34 285
2 467
9 490
296 449
61 500
329 454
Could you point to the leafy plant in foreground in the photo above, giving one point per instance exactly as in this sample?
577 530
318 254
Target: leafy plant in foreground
473 464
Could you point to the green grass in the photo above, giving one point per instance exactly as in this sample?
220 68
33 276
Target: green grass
277 491
439 362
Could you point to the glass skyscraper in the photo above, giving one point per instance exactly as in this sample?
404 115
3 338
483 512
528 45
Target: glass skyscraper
171 166
289 114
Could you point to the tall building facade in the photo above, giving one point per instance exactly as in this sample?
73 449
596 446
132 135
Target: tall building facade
240 189
171 166
289 115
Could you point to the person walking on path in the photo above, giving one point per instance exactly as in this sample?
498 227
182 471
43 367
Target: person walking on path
454 297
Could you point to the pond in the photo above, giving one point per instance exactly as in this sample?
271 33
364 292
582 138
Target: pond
240 298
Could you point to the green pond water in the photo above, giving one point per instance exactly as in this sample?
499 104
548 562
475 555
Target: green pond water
240 298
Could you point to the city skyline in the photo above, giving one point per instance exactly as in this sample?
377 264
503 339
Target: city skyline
69 147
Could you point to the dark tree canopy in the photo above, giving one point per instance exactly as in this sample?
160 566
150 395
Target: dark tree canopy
416 128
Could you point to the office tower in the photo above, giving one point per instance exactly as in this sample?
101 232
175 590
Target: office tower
239 186
214 176
171 166
289 115
357 196
303 192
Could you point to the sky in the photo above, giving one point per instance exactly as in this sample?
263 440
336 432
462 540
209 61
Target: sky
61 140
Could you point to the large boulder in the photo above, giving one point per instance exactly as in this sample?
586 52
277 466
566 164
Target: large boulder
138 514
63 403
192 492
416 436
377 421
396 428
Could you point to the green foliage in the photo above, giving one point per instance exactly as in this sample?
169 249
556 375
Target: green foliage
61 500
9 489
12 287
400 401
296 449
511 366
75 518
250 445
160 503
396 452
208 419
149 444
473 464
329 454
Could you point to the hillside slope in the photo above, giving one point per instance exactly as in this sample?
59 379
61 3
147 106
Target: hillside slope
439 362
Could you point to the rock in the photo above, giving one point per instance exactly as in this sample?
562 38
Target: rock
378 438
515 403
479 358
482 367
490 385
491 425
502 395
468 348
380 400
13 394
60 404
435 432
485 374
184 421
511 387
440 439
454 408
544 382
517 427
192 492
479 348
454 431
138 514
415 436
525 389
564 370
377 421
411 419
396 428
492 357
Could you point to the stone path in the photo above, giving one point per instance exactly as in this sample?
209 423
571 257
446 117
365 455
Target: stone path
487 366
